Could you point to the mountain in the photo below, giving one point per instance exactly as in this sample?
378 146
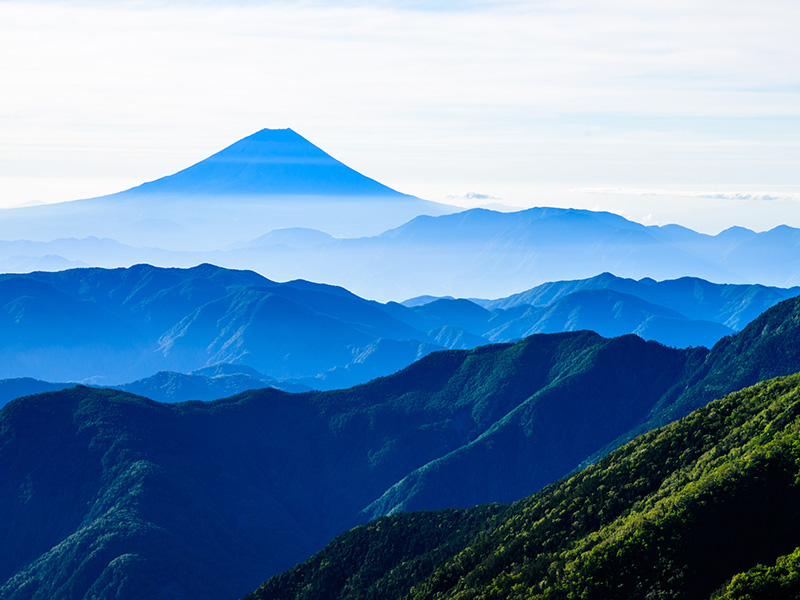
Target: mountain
16 387
111 494
611 314
167 386
120 325
762 350
270 179
472 254
703 508
269 162
115 326
728 304
480 253
209 383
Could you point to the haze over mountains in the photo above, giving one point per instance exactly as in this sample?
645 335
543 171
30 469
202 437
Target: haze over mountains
511 364
476 253
275 203
129 497
121 326
271 179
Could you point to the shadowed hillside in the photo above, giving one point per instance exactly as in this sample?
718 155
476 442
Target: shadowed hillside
113 494
693 510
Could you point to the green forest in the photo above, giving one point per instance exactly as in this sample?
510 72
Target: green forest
706 507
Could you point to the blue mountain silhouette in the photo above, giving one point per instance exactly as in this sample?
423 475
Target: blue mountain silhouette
271 161
269 180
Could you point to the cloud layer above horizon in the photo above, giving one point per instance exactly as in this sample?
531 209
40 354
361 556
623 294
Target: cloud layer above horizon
523 101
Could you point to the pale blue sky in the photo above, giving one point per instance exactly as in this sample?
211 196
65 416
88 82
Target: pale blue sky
661 111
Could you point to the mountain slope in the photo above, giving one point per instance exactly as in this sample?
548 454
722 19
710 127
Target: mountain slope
674 514
728 304
120 325
145 475
268 162
268 180
111 494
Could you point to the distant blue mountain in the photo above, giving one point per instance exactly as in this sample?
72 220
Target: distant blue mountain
269 162
114 326
610 314
308 216
209 383
118 325
271 179
731 305
482 253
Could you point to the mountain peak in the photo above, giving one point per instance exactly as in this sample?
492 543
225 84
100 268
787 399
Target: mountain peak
268 162
274 146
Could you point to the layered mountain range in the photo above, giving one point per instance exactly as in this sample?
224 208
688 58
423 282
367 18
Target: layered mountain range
251 422
121 326
113 495
275 203
476 253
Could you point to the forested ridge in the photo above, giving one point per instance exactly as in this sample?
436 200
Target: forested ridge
108 494
707 506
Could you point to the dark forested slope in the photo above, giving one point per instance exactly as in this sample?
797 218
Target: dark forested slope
676 513
107 490
110 494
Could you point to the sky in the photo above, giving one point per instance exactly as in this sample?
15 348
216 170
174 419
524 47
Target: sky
663 111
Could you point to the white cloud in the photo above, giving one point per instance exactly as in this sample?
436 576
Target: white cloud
422 96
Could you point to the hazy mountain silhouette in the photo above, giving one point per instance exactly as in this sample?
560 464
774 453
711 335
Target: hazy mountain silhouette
481 253
115 326
268 180
475 253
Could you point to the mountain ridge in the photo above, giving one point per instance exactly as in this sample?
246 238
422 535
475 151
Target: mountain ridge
486 254
115 326
695 509
277 475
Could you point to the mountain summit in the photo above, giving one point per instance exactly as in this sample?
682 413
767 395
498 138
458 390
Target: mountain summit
271 161
270 180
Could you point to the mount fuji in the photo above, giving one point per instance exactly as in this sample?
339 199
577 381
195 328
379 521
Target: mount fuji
271 179
269 162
